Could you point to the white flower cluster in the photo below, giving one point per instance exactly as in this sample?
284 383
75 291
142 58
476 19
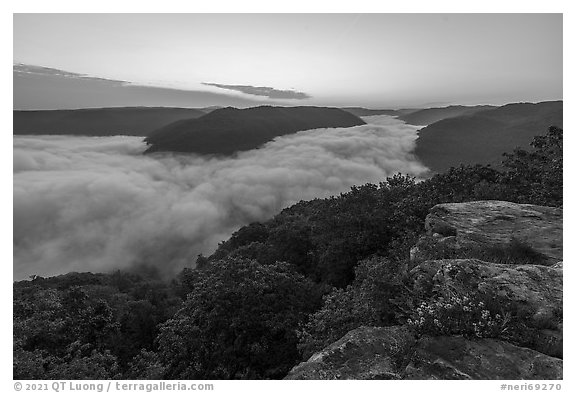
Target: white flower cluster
456 314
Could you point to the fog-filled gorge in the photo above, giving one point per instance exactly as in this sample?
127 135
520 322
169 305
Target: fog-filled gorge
98 204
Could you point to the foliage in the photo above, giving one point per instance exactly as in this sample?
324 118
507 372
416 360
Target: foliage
86 325
478 315
239 321
79 362
377 297
145 365
536 175
443 307
458 314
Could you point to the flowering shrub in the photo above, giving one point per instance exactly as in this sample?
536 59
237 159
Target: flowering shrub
456 314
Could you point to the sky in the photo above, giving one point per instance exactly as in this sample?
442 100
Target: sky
370 60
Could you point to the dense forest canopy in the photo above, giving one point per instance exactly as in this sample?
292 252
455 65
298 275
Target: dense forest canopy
271 294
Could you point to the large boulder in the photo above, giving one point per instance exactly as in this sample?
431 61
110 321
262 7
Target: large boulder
490 228
459 358
363 353
394 353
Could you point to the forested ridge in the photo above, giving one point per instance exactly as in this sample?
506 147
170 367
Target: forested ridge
136 121
230 130
273 293
482 136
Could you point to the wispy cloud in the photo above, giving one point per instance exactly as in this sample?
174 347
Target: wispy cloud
38 87
47 71
263 91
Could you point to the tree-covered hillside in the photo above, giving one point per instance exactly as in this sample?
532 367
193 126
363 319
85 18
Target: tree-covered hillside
135 121
229 130
482 137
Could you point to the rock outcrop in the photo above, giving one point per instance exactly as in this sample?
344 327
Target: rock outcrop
363 353
487 225
460 358
530 294
394 353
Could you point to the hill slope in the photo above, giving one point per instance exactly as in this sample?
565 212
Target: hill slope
428 116
229 130
484 136
135 121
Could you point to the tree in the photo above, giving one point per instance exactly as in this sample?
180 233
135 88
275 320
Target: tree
536 175
239 321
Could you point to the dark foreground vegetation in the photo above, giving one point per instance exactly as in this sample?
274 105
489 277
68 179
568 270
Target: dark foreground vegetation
275 291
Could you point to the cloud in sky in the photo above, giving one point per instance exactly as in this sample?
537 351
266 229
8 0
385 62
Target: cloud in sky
20 68
98 204
37 87
269 92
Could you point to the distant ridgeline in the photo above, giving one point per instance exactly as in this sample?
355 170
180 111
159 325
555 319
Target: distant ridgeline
483 136
428 116
229 130
418 116
359 111
133 121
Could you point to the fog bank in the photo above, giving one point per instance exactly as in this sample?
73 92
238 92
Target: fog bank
97 204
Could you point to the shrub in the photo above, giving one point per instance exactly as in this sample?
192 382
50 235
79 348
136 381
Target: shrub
377 297
535 176
456 314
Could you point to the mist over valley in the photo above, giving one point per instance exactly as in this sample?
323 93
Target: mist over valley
98 204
